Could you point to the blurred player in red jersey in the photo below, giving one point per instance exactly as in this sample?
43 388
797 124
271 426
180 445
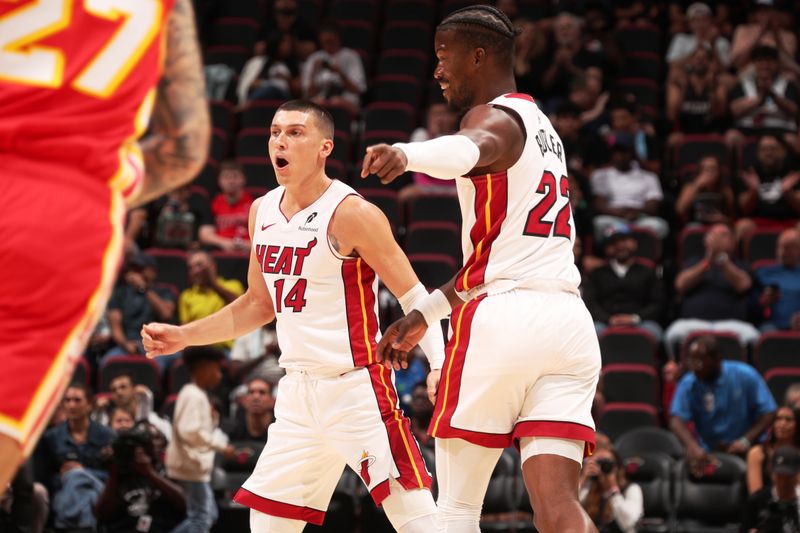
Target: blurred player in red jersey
77 88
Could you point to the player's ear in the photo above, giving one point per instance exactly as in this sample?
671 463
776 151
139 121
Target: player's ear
327 147
478 56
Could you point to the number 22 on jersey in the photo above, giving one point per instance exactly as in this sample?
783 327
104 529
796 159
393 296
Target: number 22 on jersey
24 60
536 225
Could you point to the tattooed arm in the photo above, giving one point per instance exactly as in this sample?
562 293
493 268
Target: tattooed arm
177 148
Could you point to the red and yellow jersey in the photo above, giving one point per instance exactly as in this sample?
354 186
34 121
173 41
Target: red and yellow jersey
77 83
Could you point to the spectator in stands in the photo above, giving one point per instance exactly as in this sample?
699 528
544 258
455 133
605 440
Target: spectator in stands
120 419
286 20
614 503
134 303
195 438
625 193
635 13
421 414
25 505
230 209
764 101
775 508
764 30
137 400
272 73
138 496
624 121
71 461
727 401
704 34
624 292
569 57
530 47
780 284
769 194
708 198
334 74
256 354
586 92
207 292
585 151
696 97
792 396
178 219
252 422
713 290
782 433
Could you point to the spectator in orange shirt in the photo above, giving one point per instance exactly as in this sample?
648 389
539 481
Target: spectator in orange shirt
230 209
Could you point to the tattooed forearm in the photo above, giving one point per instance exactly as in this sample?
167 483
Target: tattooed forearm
177 148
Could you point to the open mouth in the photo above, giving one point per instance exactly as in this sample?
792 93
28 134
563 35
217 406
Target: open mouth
281 162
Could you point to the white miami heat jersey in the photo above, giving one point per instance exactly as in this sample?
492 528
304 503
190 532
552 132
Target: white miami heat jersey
325 304
518 224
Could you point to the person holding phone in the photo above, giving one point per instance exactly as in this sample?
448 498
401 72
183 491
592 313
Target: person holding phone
614 504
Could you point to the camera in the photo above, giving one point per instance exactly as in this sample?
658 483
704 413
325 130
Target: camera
125 447
606 465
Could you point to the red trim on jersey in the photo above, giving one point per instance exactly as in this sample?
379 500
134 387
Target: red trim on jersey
280 509
380 492
336 254
450 386
362 322
491 207
405 450
557 429
486 440
521 96
280 209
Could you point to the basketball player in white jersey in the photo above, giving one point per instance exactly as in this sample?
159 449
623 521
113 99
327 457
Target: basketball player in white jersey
523 359
317 249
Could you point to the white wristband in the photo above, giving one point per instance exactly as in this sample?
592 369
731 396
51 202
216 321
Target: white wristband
447 157
434 308
432 343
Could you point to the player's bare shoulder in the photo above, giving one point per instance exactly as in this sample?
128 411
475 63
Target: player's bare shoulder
498 132
354 220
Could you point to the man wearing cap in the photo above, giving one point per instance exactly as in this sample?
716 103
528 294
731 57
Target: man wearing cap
704 33
775 508
625 193
136 302
624 292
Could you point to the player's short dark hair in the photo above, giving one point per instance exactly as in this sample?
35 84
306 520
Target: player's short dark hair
322 115
195 355
484 27
87 391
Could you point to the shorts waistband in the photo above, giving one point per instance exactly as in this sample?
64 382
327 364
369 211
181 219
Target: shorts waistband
319 373
499 286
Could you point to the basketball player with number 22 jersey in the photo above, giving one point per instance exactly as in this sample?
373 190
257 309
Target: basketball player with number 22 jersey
78 85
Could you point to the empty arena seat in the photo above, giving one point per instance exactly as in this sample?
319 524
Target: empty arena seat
342 117
234 31
649 439
342 148
691 243
171 265
429 206
233 56
143 371
433 270
389 116
643 65
258 172
207 178
359 35
221 115
386 200
411 10
630 383
640 39
412 63
252 142
232 265
652 471
628 345
618 418
434 237
713 502
761 245
218 149
692 148
347 10
258 114
777 349
410 35
645 91
648 245
779 379
396 88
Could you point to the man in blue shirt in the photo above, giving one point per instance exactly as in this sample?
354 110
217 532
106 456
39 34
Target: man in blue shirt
780 297
727 401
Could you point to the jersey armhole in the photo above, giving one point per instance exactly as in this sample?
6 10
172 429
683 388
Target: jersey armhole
511 112
336 254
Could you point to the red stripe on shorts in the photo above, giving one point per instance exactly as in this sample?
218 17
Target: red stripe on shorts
557 429
491 207
456 351
280 509
405 450
362 322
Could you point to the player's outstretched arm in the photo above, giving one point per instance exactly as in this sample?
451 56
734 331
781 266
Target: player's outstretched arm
249 311
360 227
177 149
489 140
